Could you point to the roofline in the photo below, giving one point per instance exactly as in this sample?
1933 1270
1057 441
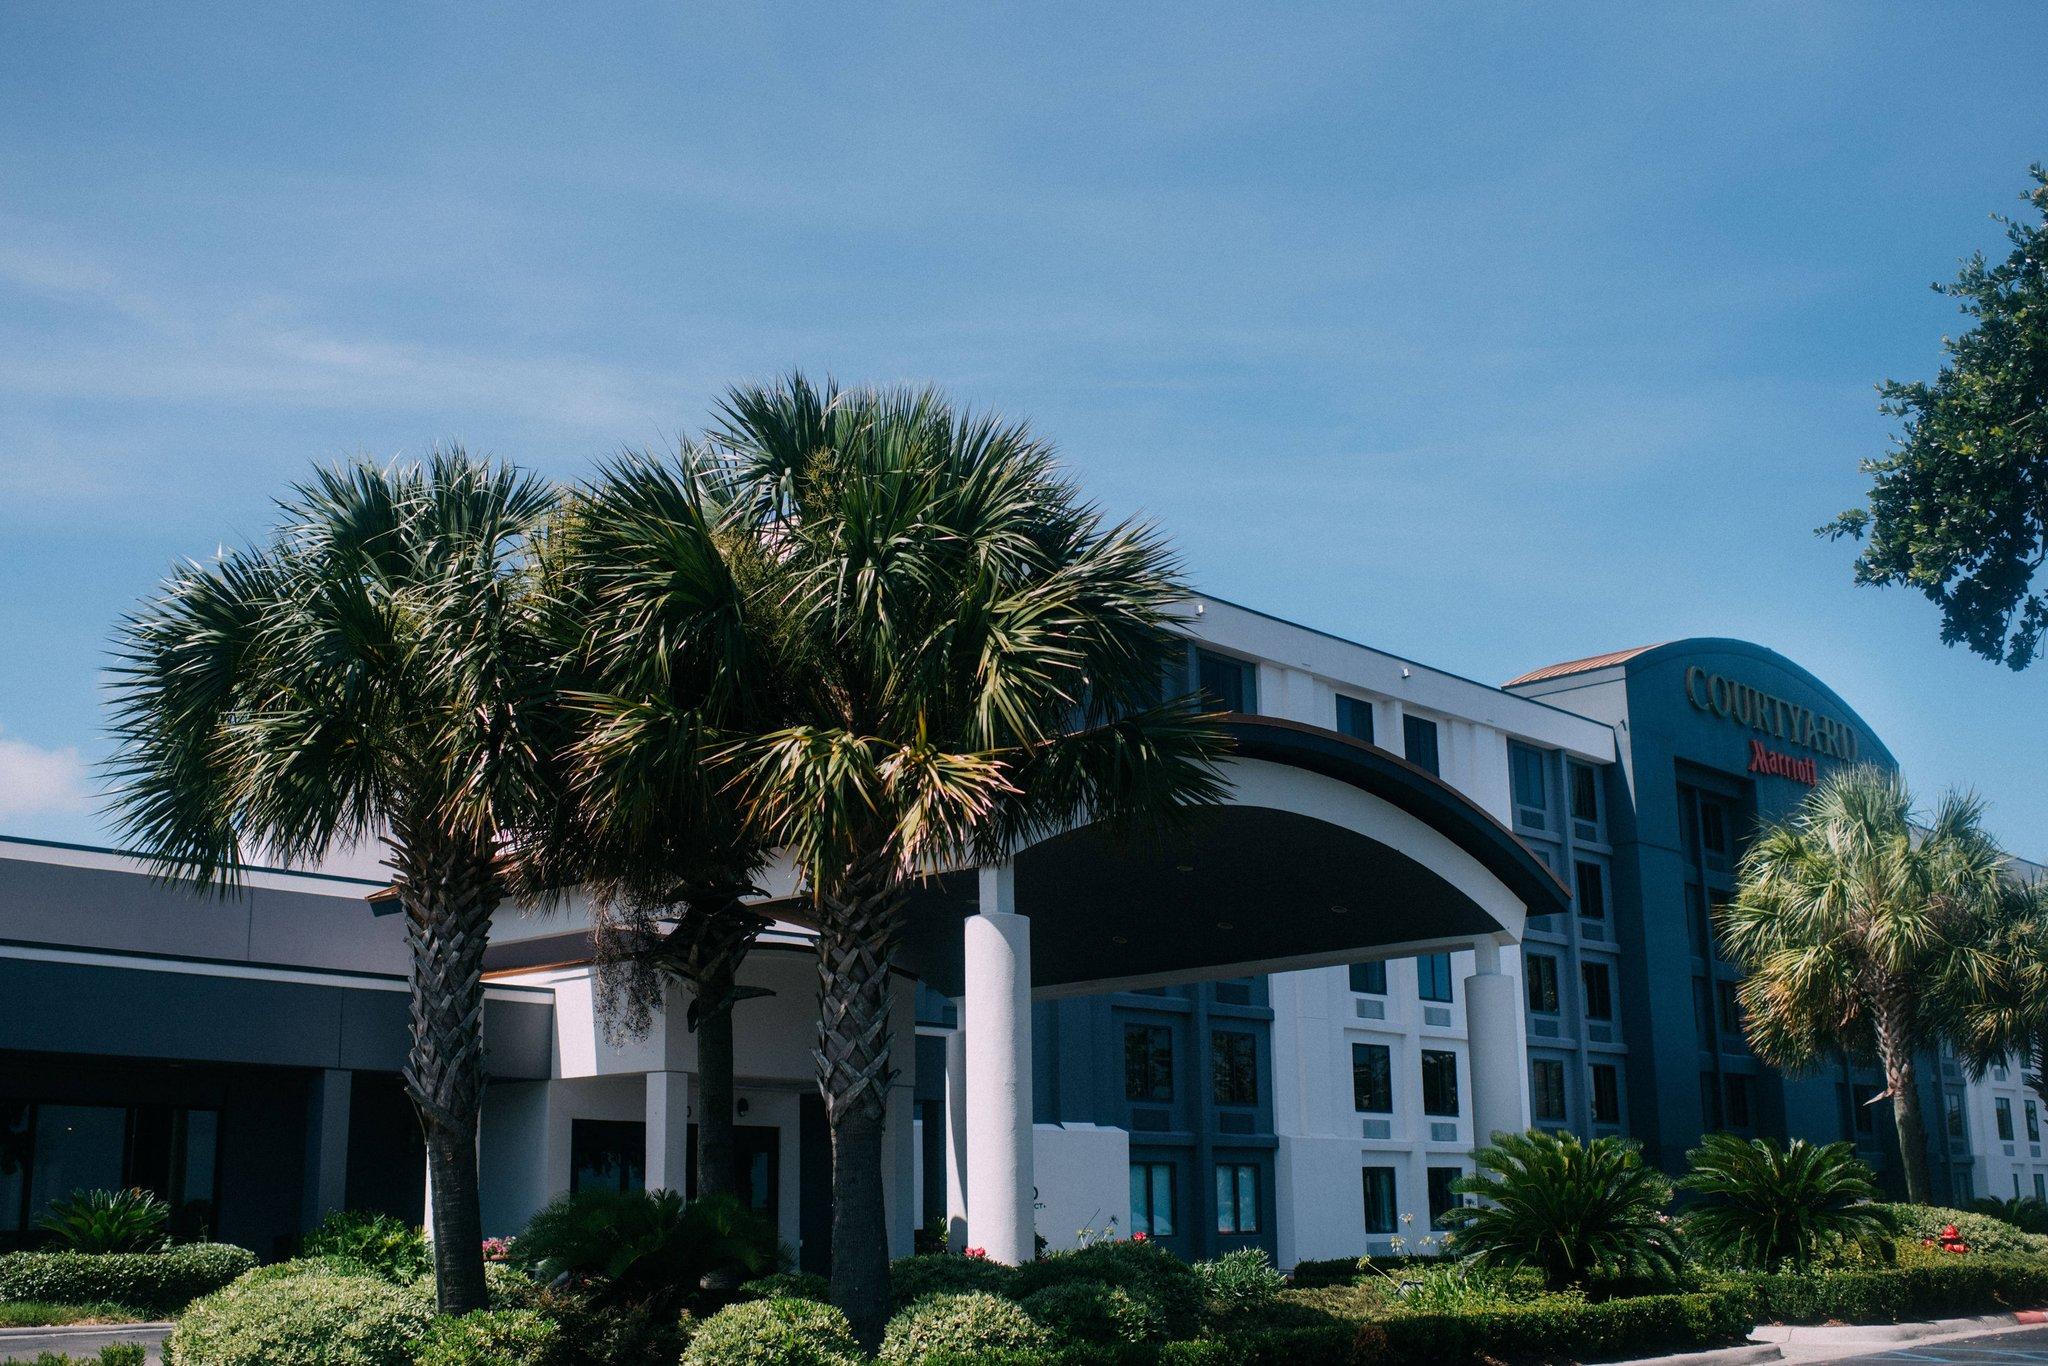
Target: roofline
113 852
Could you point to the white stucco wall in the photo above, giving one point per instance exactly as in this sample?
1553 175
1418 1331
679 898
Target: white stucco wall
1084 1181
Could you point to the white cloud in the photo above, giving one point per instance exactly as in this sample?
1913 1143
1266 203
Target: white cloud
35 781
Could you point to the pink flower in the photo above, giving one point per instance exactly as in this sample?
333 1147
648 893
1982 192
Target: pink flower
980 1254
1141 1237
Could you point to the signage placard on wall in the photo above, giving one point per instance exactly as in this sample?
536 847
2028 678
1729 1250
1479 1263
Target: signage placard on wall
1757 710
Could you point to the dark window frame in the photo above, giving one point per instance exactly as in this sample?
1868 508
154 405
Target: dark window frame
1152 1090
1372 1078
1440 1083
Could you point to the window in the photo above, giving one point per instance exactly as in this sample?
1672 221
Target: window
1379 1200
1585 785
1433 977
1702 1012
1148 1062
1546 1088
1439 1082
1591 881
1606 1093
1227 684
1234 1067
1237 1198
2033 1122
49 1151
1952 1109
1866 1113
1418 738
1739 1091
2002 1110
1714 828
1541 981
1528 780
1731 1013
607 1155
1710 1101
1233 991
2041 1188
1599 981
1369 979
1354 717
1152 1199
1441 1197
1372 1079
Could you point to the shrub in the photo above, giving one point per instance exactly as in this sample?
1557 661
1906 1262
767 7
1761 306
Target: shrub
2024 1213
1094 1313
492 1337
606 1334
154 1282
1146 1270
305 1320
774 1332
1566 1207
113 1354
378 1243
507 1287
648 1247
943 1273
1985 1235
1769 1206
1328 1271
789 1285
971 1323
1239 1282
1465 1287
108 1221
1932 1288
44 1313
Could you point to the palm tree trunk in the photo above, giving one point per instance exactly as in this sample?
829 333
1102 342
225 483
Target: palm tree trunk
856 942
448 895
1895 1050
716 1170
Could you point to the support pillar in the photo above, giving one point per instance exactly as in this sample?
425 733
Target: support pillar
1493 1032
668 1131
956 1131
1001 1190
327 1111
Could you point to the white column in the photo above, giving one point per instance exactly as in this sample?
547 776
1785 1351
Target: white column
956 1131
1493 1032
1000 1184
326 1180
668 1131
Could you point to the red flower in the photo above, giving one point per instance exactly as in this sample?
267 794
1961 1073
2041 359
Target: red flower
1141 1237
1948 1233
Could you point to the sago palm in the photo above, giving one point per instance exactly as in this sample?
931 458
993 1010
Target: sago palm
1569 1208
1767 1206
966 657
1862 930
374 672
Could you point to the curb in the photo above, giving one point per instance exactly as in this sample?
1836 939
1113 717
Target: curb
81 1330
1820 1342
1747 1355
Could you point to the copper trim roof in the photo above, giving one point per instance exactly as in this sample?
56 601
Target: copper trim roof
1579 666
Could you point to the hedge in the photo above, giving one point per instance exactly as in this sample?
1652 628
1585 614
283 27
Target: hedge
1968 1284
153 1282
308 1320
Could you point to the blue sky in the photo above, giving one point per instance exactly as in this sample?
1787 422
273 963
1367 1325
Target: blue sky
1492 335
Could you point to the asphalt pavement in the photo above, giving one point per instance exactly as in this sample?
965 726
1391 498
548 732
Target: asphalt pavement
2028 1344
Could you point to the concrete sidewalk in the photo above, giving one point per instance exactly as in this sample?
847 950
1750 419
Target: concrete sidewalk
1769 1342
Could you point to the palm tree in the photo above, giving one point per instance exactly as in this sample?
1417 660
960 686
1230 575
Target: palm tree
964 657
2009 1021
375 671
1861 929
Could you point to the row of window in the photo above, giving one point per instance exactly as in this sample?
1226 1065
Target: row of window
1529 772
1432 977
49 1151
1232 685
1382 1192
1546 1090
1372 1080
1540 979
2002 1106
1148 1065
1154 1208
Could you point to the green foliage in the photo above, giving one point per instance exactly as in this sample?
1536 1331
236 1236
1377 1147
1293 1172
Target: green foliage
957 1324
648 1247
133 1220
1956 509
505 1287
305 1320
1464 1287
1149 1272
1568 1208
153 1282
1239 1282
792 1285
595 1333
45 1313
113 1354
2024 1213
494 1337
944 1273
1328 1271
378 1243
1932 1288
1986 1236
1768 1207
775 1332
1093 1313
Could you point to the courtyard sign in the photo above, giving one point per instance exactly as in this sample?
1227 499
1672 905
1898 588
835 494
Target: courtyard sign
1760 711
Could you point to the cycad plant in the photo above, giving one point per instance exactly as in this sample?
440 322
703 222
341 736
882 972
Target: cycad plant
646 1248
964 656
375 672
132 1220
1769 1207
1571 1209
1863 930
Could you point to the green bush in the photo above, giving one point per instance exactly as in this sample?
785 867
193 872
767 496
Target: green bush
507 1287
1239 1282
941 1325
1985 1235
377 1243
108 1221
1094 1313
1571 1208
1327 1271
492 1337
44 1313
1146 1270
645 1247
945 1273
2024 1213
596 1333
791 1285
154 1282
113 1354
1771 1206
305 1320
1968 1284
775 1332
